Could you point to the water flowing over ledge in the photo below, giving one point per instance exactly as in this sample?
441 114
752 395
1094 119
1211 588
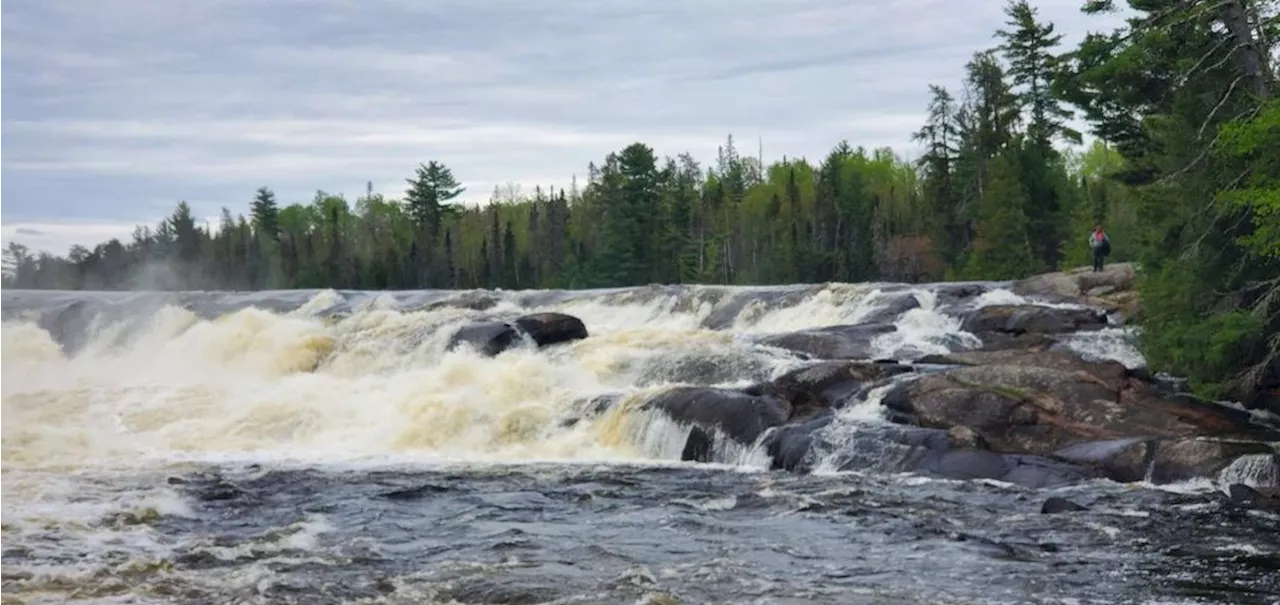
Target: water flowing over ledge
144 416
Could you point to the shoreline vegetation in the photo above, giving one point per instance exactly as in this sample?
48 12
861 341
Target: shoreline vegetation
1184 175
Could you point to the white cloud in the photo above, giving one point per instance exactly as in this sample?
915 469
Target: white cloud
58 237
119 108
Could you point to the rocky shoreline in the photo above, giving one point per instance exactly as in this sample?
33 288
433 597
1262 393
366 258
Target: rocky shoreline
1018 407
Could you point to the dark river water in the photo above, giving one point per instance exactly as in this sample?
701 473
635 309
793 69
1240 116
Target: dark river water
584 533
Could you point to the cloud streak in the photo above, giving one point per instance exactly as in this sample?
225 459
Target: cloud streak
116 109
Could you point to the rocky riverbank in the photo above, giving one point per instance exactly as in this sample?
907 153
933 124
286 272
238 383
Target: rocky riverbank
1015 406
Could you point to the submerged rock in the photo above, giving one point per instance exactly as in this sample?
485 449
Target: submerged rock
833 342
1055 505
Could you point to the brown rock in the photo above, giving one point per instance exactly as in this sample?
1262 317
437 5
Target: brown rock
1111 373
1036 410
1034 319
1073 284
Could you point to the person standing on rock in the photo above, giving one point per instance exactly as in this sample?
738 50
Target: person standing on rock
1100 244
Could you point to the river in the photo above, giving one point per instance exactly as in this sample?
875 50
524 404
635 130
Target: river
328 447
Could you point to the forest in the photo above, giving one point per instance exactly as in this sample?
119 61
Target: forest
1182 168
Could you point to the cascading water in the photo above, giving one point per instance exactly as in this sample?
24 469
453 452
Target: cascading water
208 447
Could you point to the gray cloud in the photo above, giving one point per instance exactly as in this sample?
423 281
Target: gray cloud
116 109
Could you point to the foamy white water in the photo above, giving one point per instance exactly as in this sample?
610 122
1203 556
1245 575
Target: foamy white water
367 377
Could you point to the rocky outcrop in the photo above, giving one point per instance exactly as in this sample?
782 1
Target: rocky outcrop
928 452
1161 460
1032 319
1035 409
1111 289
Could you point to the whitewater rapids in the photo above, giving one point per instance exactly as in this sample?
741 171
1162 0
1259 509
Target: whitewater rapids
324 446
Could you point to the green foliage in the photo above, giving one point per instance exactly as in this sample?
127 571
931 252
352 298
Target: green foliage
1256 142
1001 249
1181 337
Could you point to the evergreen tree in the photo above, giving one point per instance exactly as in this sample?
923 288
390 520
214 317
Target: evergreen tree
1001 249
431 188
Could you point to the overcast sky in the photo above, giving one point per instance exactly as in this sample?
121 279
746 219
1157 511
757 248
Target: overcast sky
116 109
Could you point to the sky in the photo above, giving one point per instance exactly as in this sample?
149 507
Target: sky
114 110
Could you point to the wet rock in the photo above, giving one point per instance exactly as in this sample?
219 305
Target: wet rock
834 342
1239 494
701 367
1162 460
1037 410
1055 505
545 329
1111 373
698 446
1123 460
790 446
552 328
489 338
1034 319
966 437
476 300
727 310
591 407
740 416
891 309
953 294
1004 341
933 453
827 384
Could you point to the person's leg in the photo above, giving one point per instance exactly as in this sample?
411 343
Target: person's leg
1097 259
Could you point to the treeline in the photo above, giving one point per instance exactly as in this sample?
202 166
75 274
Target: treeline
637 219
1183 176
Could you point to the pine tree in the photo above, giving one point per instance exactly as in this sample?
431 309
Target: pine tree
265 214
432 187
1001 249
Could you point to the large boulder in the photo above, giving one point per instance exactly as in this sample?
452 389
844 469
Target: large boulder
489 338
735 414
1032 319
551 328
544 329
1037 410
